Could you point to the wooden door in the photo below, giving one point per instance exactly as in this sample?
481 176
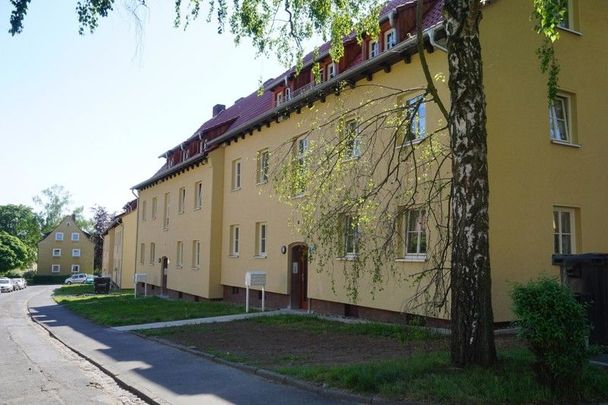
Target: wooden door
299 277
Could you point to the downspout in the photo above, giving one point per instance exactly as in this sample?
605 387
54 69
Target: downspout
433 42
136 241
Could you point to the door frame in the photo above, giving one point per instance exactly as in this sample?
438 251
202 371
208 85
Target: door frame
298 287
164 269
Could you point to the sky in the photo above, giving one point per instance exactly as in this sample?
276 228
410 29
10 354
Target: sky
93 113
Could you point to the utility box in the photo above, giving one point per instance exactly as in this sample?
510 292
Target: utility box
587 277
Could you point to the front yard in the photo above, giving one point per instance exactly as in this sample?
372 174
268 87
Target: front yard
122 308
393 361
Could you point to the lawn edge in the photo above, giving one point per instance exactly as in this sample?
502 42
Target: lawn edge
332 393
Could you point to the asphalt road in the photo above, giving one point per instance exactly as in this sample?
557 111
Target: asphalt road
36 369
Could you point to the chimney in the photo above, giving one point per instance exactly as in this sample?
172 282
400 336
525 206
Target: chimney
218 108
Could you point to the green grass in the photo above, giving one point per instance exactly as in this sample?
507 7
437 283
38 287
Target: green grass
318 325
121 308
429 377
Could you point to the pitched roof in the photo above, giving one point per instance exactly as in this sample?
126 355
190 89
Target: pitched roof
247 109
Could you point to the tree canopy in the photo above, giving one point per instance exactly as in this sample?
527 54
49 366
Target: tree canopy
22 222
14 253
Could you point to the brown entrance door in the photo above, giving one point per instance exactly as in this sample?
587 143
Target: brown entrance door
164 264
299 277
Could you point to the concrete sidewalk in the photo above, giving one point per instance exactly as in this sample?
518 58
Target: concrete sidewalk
157 372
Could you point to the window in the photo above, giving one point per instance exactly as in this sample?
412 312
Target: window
351 236
559 119
56 252
416 119
236 174
332 71
567 21
300 155
144 211
374 48
563 231
181 202
390 39
75 236
55 268
352 140
152 253
166 212
234 240
198 195
415 233
142 253
154 208
179 256
287 93
196 254
260 239
58 235
75 252
75 268
262 166
279 99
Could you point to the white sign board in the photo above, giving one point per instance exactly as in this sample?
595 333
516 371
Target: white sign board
255 279
140 277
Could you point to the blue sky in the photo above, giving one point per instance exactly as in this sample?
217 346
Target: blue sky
94 112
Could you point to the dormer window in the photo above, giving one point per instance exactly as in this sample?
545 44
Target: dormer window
332 71
390 39
374 49
185 154
279 99
287 94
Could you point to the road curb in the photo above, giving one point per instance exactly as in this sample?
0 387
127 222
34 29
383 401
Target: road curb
323 390
149 398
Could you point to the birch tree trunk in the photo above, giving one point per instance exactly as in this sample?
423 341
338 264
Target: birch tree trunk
472 340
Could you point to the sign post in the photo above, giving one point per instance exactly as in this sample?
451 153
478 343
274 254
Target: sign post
255 279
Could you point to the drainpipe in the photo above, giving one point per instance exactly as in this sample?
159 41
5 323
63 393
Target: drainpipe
136 243
435 44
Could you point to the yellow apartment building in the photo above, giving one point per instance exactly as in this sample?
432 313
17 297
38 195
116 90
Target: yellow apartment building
211 213
66 250
119 243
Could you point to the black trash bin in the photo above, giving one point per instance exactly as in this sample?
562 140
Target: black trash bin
587 277
102 285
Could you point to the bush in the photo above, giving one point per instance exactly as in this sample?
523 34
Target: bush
46 280
556 328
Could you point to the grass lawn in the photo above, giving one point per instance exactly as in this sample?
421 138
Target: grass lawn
392 361
121 308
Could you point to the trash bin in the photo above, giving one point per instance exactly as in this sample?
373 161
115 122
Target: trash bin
587 277
102 285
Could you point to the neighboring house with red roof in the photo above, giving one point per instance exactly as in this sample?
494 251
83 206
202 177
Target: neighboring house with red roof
211 217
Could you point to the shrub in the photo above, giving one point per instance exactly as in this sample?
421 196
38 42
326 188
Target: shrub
46 280
555 326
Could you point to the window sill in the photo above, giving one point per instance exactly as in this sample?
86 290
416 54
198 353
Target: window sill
197 208
570 30
236 189
261 257
261 183
411 143
352 158
234 256
348 258
196 268
412 259
565 143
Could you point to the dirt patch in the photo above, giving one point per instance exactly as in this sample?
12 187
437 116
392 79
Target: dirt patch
274 346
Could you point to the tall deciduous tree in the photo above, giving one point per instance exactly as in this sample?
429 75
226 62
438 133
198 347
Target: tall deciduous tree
101 222
22 222
54 203
14 253
281 26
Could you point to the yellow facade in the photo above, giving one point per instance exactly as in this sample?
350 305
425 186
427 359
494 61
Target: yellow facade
530 175
65 250
119 250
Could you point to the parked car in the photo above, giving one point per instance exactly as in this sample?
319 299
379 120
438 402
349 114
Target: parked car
6 285
17 284
78 278
90 279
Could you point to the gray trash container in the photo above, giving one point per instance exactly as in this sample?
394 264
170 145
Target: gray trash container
587 277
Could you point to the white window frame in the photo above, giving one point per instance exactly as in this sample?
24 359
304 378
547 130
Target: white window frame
58 235
566 102
332 71
198 195
389 45
261 239
419 232
167 200
152 253
374 48
154 208
558 230
75 252
196 254
75 236
237 168
55 268
352 135
235 240
181 200
56 252
352 236
300 151
279 99
179 255
287 94
75 268
568 22
417 123
144 211
262 166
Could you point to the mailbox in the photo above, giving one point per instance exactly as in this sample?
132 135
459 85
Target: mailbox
255 279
